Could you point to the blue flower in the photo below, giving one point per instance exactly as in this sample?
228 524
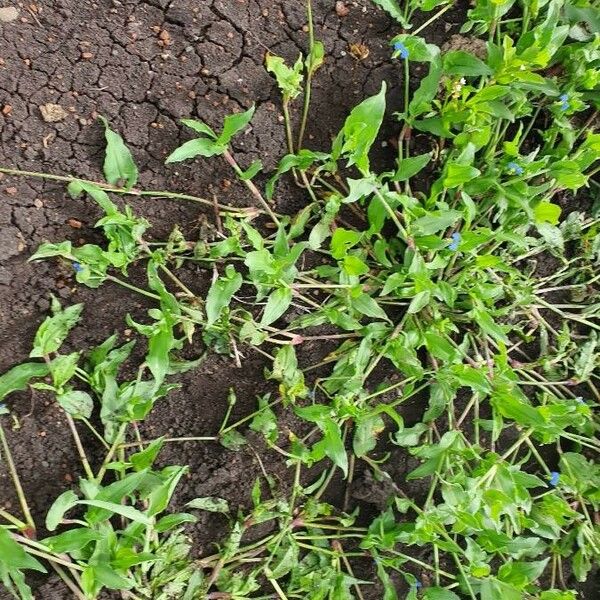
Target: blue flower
515 168
564 102
417 584
456 238
400 47
554 478
77 267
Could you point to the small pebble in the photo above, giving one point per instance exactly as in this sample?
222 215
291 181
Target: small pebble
8 14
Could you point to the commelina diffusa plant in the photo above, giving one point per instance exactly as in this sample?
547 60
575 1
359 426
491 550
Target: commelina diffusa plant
437 284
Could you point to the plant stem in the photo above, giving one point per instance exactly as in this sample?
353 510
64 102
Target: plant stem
129 192
250 185
432 19
115 445
16 481
309 75
80 449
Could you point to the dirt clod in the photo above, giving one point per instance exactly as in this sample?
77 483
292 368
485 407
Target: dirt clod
473 45
341 9
52 113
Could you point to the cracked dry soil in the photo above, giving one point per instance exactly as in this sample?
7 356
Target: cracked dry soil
144 65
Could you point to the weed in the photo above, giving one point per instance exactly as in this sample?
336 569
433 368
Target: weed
438 283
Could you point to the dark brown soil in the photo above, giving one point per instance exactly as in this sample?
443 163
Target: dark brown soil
111 58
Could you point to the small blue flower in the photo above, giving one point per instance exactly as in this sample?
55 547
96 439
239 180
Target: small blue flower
554 478
400 47
77 267
564 102
515 168
456 238
417 585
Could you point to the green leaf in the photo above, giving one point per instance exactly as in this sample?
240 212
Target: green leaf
315 59
365 435
278 302
170 522
125 511
232 440
210 504
586 362
420 301
221 292
434 222
520 573
489 326
552 236
418 49
60 506
50 250
459 174
409 436
196 147
118 162
408 167
72 540
159 498
428 88
366 305
493 589
439 593
393 9
76 403
199 127
361 129
53 331
233 124
13 556
334 446
146 457
111 579
63 368
251 171
17 378
289 80
458 62
342 240
546 212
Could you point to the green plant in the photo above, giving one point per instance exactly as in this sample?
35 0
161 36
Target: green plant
433 293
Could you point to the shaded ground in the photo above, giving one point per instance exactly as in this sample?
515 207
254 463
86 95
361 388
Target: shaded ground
145 65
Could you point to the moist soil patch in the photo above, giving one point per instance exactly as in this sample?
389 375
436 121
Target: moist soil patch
144 65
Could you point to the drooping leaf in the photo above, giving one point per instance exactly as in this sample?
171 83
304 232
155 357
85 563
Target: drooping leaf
17 378
72 540
221 292
361 129
210 504
125 511
76 403
13 556
60 506
53 331
118 162
196 147
393 9
278 302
